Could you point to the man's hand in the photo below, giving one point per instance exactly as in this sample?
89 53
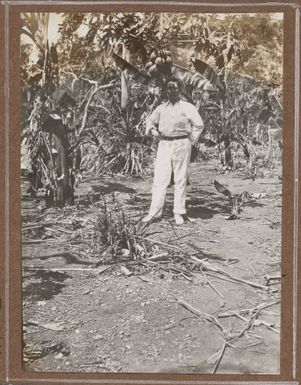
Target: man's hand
147 140
152 131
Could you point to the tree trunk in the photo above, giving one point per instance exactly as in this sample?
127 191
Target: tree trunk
228 161
269 154
124 79
63 193
228 154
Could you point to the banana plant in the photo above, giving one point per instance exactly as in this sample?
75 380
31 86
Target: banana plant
46 132
236 200
35 26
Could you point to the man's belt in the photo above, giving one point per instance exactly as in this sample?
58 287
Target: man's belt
163 137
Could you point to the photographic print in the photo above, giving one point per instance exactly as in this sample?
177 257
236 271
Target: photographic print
151 192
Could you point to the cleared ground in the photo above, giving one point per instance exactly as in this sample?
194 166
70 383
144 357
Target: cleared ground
216 312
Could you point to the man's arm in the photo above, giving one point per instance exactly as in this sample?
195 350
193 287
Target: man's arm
197 124
152 122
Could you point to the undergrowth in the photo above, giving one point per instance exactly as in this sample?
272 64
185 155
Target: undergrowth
118 236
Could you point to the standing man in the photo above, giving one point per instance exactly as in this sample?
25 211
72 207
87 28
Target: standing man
179 125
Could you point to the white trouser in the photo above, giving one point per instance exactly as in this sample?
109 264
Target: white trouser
171 155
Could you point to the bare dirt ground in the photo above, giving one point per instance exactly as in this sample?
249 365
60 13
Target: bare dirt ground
171 315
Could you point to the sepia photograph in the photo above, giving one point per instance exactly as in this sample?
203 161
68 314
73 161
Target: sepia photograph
151 192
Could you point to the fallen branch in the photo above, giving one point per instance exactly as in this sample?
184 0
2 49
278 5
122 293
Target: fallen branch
205 316
220 357
91 269
49 326
186 277
178 322
268 325
211 285
144 280
126 271
272 279
29 241
55 231
230 339
160 243
204 265
222 278
240 280
58 228
180 270
213 320
252 319
102 270
158 257
191 308
32 227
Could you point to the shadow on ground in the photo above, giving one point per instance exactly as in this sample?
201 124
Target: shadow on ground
100 190
204 205
68 257
112 187
44 285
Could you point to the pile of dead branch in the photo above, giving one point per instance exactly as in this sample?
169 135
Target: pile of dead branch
232 339
121 239
118 236
176 259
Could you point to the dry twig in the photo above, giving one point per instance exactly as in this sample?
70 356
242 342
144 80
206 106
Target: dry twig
210 284
220 357
229 340
205 265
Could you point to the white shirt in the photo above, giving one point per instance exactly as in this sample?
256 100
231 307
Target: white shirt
177 119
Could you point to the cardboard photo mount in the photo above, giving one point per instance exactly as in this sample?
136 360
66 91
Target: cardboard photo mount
10 207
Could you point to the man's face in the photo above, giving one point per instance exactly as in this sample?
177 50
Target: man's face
173 92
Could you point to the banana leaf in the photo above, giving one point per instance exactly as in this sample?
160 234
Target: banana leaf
265 115
222 189
132 70
205 70
191 79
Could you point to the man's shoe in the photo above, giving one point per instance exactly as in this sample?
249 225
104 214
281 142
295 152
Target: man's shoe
179 219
